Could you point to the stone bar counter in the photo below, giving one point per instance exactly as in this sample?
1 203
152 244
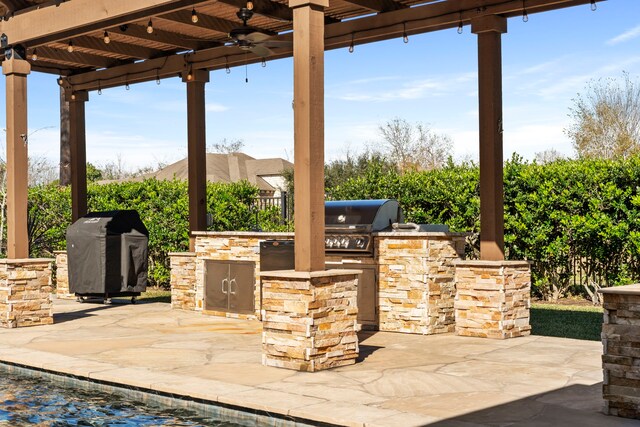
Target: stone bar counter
621 348
415 280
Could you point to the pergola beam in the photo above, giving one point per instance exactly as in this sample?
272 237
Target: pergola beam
115 47
76 57
266 8
79 17
219 25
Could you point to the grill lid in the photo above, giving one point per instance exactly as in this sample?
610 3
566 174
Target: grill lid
377 214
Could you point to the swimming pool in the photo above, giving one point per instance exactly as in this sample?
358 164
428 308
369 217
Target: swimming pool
33 401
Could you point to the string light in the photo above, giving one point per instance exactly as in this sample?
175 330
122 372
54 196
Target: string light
99 88
157 77
264 63
73 96
525 15
594 6
405 37
194 16
126 83
226 65
150 26
250 5
60 81
351 47
34 55
460 24
189 75
106 38
70 46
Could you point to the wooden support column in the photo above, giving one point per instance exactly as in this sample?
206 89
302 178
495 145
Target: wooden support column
16 71
78 153
65 145
197 153
489 30
308 119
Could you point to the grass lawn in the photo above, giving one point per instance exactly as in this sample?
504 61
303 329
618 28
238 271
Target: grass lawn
567 321
155 295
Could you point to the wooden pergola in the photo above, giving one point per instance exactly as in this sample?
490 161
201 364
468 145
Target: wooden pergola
97 44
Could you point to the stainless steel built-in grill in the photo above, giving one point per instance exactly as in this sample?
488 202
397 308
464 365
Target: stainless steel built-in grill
349 223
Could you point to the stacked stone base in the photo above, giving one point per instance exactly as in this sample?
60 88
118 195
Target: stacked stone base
309 319
621 345
25 292
492 299
62 276
183 280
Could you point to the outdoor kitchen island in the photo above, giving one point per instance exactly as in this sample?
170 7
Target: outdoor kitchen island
413 287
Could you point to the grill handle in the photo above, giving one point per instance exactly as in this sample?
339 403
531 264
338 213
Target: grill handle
412 226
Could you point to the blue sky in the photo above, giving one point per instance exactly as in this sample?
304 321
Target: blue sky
432 79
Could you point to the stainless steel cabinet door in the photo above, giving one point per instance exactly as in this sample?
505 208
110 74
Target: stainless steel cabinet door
216 295
242 282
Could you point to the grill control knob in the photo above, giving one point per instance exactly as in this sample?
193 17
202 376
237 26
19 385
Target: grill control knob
344 242
360 243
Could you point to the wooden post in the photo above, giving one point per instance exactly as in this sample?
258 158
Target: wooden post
196 151
65 144
489 30
78 153
16 71
308 119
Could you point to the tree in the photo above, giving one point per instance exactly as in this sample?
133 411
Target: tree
226 146
606 120
415 146
93 173
548 156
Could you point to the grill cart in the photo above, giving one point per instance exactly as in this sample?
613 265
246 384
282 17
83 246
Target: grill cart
107 255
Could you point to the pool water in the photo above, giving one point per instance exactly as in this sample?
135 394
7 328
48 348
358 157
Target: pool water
29 401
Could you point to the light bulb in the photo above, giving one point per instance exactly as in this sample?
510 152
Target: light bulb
405 38
126 86
99 91
150 27
73 97
190 76
250 5
106 38
460 28
34 55
351 48
194 16
70 46
594 6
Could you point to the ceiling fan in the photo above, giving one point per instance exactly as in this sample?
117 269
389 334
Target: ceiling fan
252 39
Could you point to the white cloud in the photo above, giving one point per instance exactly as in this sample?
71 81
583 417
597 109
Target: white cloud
626 36
214 107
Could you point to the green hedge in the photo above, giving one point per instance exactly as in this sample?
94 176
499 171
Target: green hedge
577 220
163 207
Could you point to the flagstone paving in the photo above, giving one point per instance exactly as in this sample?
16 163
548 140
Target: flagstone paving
399 380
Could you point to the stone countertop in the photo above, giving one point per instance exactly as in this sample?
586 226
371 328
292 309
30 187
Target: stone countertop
487 263
420 234
260 234
622 290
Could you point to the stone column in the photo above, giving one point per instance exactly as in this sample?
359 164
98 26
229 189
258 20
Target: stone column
310 319
25 292
492 298
621 346
183 280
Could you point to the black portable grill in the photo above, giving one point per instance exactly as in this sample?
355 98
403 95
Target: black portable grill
349 223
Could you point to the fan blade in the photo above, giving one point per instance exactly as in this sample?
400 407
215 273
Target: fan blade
257 37
277 43
260 51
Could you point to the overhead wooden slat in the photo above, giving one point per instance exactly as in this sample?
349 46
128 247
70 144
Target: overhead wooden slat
266 8
78 58
218 25
114 47
166 37
378 5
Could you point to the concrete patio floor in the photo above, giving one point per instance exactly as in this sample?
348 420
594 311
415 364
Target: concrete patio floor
400 380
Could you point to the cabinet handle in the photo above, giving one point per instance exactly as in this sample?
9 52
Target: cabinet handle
231 283
224 291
